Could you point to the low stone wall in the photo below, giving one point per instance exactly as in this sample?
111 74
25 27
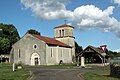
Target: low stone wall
115 71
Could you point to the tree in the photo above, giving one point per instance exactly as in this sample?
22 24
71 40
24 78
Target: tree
32 31
118 54
113 54
78 49
9 35
4 45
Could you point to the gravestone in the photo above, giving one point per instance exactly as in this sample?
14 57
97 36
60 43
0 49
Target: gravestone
82 62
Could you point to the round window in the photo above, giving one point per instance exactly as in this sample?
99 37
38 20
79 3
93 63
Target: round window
35 46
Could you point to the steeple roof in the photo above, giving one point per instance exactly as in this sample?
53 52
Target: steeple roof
64 25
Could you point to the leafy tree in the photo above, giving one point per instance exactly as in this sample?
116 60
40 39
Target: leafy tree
4 45
32 31
118 54
78 49
113 54
8 33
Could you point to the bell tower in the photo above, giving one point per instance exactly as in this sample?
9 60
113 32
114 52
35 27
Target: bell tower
65 34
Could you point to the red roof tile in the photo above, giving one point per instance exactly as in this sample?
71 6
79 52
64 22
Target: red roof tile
64 25
51 41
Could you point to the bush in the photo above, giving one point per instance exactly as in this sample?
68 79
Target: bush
115 70
18 66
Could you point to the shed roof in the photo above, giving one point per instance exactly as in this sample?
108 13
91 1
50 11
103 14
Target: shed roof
94 49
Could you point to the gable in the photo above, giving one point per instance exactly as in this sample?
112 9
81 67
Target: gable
93 49
24 39
90 49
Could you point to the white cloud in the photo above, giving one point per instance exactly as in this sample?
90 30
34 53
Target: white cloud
90 16
84 17
47 9
117 50
116 1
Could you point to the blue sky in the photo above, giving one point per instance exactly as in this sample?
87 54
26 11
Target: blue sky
96 22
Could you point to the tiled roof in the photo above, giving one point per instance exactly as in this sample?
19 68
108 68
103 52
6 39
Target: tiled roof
96 49
93 48
100 51
64 25
51 41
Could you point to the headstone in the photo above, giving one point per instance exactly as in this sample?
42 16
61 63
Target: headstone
82 62
78 61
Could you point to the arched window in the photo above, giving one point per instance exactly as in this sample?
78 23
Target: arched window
61 53
51 52
18 53
62 32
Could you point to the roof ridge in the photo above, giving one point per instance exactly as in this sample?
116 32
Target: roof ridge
96 49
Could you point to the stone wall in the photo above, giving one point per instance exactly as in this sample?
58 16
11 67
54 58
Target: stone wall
115 70
23 49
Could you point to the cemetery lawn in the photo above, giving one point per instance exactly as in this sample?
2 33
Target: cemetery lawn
98 75
62 66
6 73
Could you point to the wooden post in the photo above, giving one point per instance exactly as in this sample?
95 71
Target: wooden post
13 67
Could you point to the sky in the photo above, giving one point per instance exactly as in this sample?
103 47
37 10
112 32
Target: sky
96 22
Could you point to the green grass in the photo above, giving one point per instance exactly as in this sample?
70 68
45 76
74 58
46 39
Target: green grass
98 75
6 73
63 66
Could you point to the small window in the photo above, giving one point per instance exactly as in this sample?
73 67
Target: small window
51 53
61 53
62 32
19 53
35 46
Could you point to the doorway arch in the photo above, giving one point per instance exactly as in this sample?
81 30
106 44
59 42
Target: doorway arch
35 59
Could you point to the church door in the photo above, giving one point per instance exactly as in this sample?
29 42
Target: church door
35 59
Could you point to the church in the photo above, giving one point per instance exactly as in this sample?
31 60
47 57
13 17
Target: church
34 49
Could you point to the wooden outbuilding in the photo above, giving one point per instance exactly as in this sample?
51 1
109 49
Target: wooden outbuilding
94 55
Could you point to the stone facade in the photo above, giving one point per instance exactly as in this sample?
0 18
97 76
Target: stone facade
40 50
65 34
24 49
56 54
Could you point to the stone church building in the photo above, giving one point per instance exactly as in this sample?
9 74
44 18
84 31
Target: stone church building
34 49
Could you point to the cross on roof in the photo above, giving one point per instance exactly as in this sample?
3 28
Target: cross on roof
65 21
